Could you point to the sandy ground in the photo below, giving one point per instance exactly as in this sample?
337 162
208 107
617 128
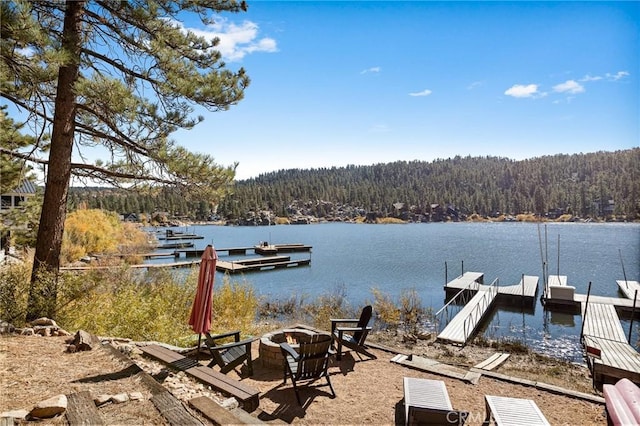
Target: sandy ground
368 391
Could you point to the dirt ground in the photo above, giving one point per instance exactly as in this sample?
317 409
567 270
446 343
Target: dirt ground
368 391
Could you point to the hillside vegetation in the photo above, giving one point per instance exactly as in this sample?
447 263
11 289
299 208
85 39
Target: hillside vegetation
593 185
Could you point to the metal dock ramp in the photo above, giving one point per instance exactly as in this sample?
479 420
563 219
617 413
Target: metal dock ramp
464 324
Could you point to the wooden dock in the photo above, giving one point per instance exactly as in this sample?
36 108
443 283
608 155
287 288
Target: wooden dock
259 264
464 324
610 357
562 296
466 281
629 288
257 249
472 281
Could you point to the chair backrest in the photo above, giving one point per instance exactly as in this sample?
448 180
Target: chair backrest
365 316
211 344
314 356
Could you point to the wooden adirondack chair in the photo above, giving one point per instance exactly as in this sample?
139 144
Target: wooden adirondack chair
230 355
309 363
359 330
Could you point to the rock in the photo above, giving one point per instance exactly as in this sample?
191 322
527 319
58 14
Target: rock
50 407
230 403
120 398
136 396
14 414
409 338
426 336
101 399
85 341
61 332
42 330
44 321
6 328
27 331
72 348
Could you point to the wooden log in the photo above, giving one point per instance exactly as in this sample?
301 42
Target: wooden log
173 410
81 410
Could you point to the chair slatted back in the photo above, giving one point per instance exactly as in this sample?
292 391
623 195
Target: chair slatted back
211 343
314 358
365 317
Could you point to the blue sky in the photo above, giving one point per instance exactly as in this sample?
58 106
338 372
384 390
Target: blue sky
365 82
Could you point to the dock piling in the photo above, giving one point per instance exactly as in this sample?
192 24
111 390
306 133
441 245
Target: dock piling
633 313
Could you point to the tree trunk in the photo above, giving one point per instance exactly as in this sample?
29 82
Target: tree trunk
46 264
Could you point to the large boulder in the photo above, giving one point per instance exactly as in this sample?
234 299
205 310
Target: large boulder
49 407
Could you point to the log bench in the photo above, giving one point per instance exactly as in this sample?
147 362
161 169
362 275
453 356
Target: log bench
247 396
622 402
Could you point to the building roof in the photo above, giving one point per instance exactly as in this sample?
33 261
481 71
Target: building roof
26 187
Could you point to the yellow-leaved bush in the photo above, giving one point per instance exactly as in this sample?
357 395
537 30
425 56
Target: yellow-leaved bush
95 231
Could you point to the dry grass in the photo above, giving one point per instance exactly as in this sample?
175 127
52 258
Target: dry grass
368 391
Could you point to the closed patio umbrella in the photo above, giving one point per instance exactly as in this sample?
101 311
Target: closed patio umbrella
200 319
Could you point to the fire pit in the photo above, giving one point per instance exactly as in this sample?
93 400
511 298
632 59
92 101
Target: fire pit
270 344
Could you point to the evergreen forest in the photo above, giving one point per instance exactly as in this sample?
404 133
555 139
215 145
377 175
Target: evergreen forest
593 185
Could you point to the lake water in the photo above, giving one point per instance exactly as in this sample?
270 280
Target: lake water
400 257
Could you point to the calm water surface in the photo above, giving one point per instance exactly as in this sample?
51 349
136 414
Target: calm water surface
396 258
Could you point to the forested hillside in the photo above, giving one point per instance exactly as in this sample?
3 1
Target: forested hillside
602 184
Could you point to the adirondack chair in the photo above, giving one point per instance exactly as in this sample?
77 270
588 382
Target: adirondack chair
359 330
309 363
231 355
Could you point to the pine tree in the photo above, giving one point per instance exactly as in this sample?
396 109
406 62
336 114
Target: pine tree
120 74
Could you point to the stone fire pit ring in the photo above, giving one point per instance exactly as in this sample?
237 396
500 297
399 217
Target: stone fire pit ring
269 349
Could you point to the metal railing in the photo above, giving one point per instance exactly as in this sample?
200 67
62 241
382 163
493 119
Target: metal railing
480 309
461 297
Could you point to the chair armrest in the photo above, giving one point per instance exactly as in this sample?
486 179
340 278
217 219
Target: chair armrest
336 321
348 320
234 344
343 329
236 335
288 350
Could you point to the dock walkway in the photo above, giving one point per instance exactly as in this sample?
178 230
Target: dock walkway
472 281
629 288
609 355
464 324
612 358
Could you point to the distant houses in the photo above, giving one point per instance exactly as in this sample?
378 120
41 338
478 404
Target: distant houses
17 197
11 200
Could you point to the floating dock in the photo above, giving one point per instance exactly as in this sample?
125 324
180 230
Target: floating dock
609 355
473 281
464 324
561 296
259 264
271 249
629 288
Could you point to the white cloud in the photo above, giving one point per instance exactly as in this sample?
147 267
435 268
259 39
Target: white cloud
372 69
617 76
236 39
425 92
569 86
590 78
523 91
475 85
